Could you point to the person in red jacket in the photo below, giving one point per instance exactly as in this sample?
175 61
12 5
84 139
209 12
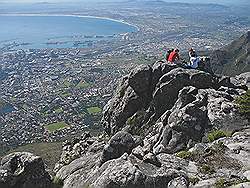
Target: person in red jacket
174 56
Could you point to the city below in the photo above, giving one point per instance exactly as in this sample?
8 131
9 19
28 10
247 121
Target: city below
48 95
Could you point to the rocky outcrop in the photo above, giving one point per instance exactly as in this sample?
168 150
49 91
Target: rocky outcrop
132 114
23 170
160 120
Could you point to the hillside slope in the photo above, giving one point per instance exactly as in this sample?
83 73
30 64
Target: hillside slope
234 58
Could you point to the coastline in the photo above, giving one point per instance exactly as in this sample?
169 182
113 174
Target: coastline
72 15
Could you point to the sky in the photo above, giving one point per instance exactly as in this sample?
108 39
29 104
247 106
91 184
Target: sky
185 1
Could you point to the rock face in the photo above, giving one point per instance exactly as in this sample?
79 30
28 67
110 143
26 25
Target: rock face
23 170
120 143
160 121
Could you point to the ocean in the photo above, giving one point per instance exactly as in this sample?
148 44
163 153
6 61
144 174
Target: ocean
57 31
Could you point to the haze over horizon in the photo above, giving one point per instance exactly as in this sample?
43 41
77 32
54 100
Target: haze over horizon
235 2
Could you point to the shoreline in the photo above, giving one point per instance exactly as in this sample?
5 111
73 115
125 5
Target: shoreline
72 15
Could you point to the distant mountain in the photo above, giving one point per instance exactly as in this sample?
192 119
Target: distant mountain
234 58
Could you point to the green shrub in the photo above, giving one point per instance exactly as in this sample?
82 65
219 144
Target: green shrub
220 183
185 154
244 104
216 134
193 180
206 169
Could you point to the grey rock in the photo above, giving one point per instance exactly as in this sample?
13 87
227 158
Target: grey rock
138 152
120 143
76 173
209 183
193 115
152 159
131 173
140 79
179 182
77 148
124 105
23 170
241 185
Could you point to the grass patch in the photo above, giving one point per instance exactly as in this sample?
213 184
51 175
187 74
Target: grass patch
216 134
58 110
67 84
244 104
56 126
82 85
65 94
94 110
185 154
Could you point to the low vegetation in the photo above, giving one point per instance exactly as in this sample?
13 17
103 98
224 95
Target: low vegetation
2 104
185 154
223 183
193 180
57 183
135 124
216 134
244 104
82 85
94 110
56 126
207 169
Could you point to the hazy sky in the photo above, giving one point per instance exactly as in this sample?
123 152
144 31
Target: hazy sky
186 1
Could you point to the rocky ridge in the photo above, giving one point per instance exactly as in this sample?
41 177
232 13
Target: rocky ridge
166 126
159 121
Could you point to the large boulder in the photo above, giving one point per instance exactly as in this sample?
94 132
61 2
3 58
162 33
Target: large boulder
129 172
124 104
120 143
23 170
140 79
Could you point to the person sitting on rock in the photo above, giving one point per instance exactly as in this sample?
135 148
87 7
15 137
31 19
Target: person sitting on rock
192 53
194 59
174 56
168 53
